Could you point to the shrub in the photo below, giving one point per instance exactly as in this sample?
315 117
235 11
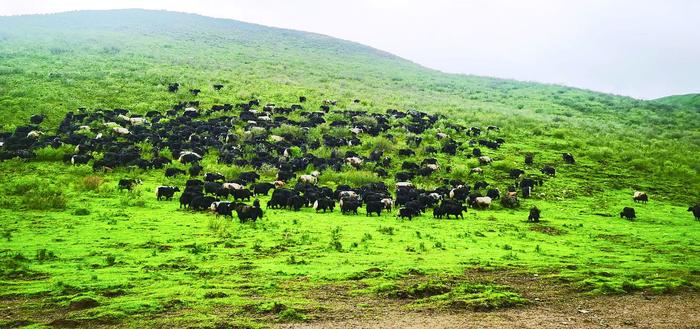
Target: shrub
268 170
110 260
335 239
289 132
215 294
352 178
379 143
291 314
52 154
47 198
366 121
460 172
45 255
81 212
92 183
340 132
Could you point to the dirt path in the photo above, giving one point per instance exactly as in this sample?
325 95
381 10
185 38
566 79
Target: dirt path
631 311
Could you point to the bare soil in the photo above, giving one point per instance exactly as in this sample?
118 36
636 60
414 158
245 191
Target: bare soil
681 311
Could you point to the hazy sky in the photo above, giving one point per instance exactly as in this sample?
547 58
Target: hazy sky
639 48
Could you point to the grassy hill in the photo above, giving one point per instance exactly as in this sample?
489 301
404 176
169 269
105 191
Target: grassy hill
76 251
691 101
124 59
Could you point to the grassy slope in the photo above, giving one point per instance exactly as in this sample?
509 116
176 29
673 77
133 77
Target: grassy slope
56 63
166 261
691 101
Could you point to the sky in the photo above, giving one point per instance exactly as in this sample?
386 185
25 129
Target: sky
640 48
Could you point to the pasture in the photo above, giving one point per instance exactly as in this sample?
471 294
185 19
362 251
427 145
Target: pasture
147 261
78 251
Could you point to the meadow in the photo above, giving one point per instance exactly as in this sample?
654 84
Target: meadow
76 251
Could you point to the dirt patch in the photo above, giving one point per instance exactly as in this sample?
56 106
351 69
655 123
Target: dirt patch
552 303
547 230
630 311
83 303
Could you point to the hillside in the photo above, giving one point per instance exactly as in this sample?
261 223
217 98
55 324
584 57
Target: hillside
691 101
125 59
86 242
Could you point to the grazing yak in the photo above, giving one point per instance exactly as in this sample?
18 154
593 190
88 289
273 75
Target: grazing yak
241 194
640 197
356 162
388 203
223 208
482 202
280 197
250 177
374 207
166 192
324 204
195 170
480 185
128 184
695 210
189 157
213 176
407 212
449 208
568 158
534 215
548 170
121 131
494 193
173 172
349 206
295 203
529 158
628 213
484 160
262 188
516 173
37 118
477 171
248 213
80 159
309 179
232 186
510 200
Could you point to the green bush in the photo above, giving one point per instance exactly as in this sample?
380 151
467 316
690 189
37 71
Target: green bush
41 196
45 255
289 132
51 154
352 178
92 183
81 212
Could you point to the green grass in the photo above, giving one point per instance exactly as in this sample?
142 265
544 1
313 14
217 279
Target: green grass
74 247
135 256
688 101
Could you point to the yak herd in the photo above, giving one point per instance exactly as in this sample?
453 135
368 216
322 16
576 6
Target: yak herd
244 134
